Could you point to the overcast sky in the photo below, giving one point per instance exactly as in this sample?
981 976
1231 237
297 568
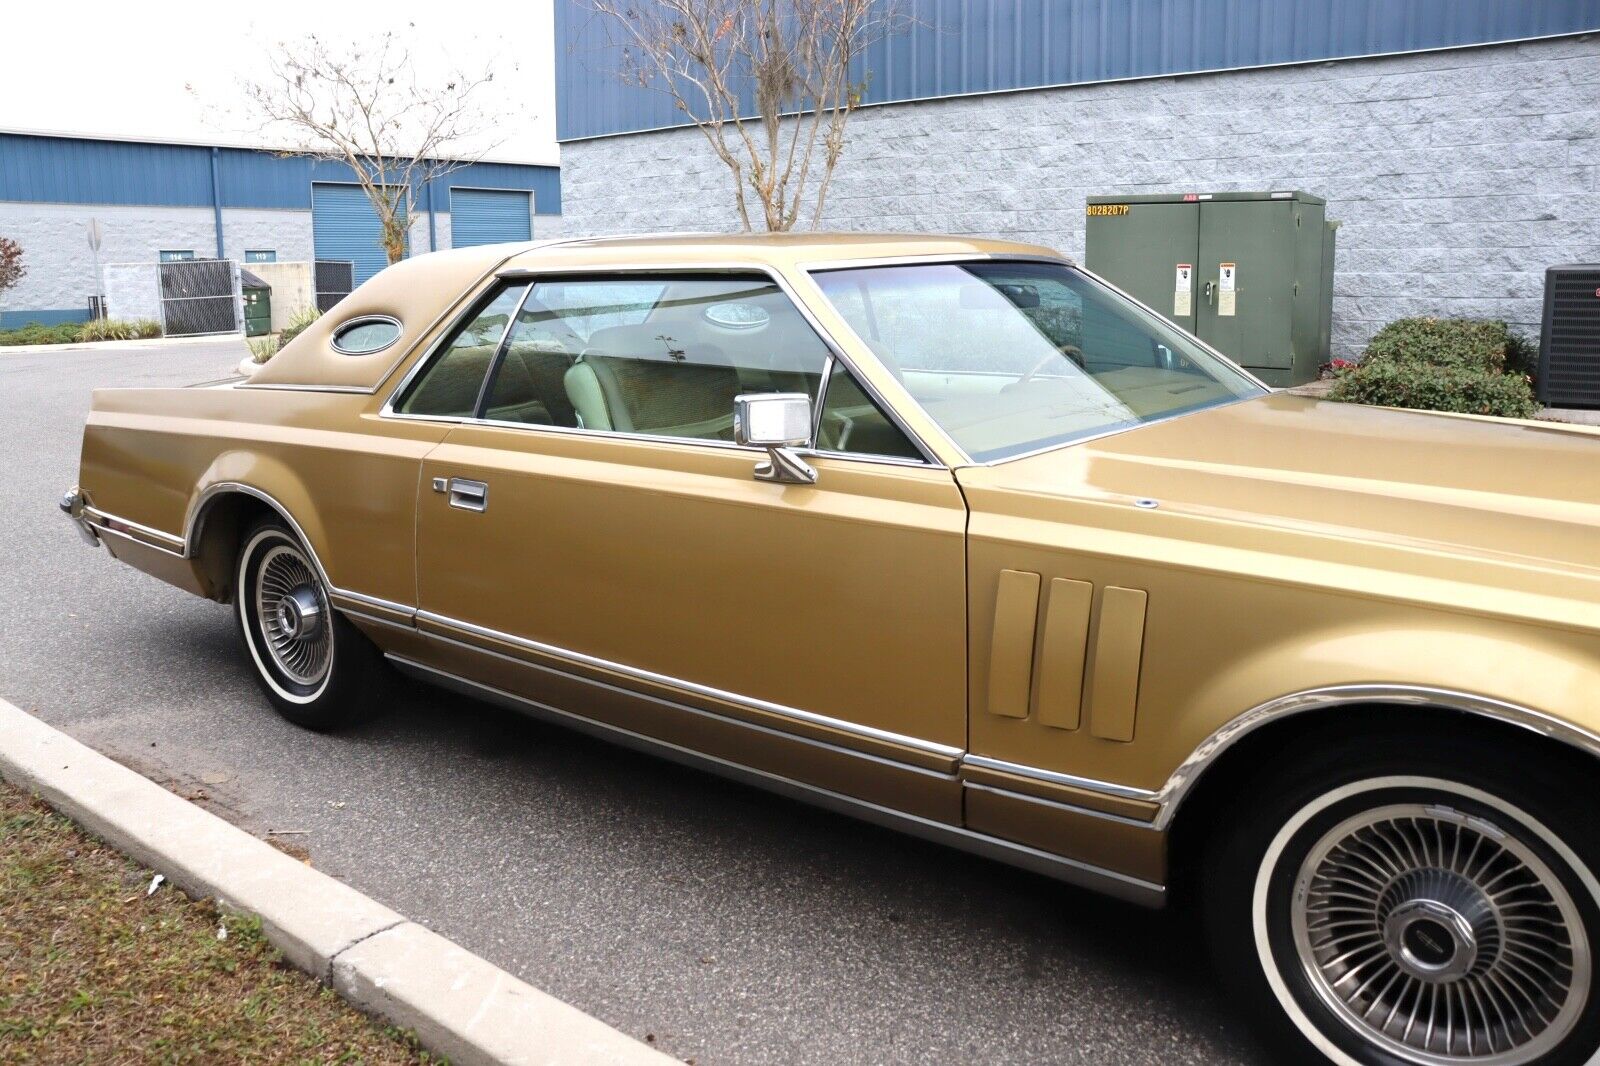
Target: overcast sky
172 69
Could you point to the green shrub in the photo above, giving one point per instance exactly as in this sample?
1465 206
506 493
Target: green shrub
118 329
1426 387
297 324
262 348
1473 343
36 333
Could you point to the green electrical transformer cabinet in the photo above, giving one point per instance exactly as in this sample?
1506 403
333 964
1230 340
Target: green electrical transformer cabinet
1249 273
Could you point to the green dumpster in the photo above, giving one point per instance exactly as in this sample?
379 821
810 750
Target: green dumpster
257 304
1250 273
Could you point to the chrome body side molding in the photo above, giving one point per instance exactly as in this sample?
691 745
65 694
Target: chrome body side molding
777 709
1084 875
1182 780
1088 784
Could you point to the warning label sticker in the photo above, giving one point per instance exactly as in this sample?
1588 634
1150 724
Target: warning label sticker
1226 279
1182 302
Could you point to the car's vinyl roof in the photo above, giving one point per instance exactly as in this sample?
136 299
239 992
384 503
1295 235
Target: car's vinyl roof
769 248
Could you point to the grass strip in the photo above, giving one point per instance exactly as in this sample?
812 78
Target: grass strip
95 968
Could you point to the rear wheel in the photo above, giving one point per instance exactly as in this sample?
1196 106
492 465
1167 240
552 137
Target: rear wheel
318 670
1432 909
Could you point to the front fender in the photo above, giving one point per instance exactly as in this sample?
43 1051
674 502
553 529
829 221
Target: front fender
1523 674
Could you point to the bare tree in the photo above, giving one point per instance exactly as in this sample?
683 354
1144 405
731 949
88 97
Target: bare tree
769 82
365 107
12 270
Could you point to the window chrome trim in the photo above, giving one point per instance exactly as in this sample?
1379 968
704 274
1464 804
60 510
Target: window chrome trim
532 276
481 404
363 320
1071 871
885 736
1087 784
1192 769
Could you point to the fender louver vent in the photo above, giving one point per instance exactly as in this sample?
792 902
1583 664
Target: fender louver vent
1569 351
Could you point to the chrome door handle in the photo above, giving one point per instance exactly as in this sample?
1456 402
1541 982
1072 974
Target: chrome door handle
467 495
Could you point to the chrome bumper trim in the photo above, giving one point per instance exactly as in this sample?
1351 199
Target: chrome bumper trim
148 536
72 506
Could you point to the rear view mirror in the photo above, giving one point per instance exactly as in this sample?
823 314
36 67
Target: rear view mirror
778 422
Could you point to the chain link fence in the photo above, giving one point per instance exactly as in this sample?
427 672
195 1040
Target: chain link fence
189 298
201 296
335 278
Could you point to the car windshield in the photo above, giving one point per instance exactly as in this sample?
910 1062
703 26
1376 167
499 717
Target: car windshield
1012 357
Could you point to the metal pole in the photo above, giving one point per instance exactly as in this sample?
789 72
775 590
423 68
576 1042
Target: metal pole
216 199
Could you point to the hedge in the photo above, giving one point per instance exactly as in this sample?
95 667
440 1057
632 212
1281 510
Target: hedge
1474 343
1467 365
1436 388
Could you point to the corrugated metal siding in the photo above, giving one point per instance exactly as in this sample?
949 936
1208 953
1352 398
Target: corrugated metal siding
345 227
969 46
488 216
65 170
42 169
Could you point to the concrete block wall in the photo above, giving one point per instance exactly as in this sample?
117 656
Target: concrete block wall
1458 175
54 239
247 229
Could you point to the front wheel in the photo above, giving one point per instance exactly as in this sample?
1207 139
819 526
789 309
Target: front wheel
318 670
1432 910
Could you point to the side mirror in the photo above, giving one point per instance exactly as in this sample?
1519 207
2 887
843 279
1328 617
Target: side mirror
778 422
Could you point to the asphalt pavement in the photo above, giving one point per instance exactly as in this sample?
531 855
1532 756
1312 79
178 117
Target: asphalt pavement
715 921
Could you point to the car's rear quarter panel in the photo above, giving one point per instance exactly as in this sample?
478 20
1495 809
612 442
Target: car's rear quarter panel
348 478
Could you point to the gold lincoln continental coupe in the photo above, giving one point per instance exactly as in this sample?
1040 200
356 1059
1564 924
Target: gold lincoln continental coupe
949 535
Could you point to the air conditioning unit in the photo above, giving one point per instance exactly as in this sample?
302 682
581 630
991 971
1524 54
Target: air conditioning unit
1569 348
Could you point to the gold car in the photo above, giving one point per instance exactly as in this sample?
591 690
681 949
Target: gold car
949 535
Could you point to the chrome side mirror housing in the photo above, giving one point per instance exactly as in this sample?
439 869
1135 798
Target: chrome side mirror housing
779 422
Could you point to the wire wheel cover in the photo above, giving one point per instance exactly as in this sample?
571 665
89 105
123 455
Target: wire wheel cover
292 615
1440 938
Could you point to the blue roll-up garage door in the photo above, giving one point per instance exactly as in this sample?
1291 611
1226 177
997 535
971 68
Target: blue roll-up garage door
344 226
489 216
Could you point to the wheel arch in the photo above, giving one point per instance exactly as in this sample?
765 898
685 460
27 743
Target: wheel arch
1225 762
218 516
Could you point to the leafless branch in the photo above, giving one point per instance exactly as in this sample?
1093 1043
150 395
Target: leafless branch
364 106
770 83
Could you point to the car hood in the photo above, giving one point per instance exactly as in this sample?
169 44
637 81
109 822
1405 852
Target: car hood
1338 482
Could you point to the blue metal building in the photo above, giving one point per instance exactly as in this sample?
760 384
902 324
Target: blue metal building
958 47
158 201
1452 139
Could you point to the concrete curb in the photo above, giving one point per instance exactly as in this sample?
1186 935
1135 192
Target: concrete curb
458 1004
129 345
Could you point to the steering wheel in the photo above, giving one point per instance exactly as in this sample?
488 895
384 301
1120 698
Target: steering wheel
1070 351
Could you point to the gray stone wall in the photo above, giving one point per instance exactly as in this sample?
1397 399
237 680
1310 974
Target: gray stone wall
1458 175
248 229
56 252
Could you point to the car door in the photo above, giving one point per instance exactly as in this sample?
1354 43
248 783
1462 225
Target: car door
591 540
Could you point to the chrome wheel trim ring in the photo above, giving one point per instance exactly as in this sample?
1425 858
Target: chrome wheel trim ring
1557 1028
256 641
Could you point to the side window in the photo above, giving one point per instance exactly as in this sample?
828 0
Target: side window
853 423
450 386
658 355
